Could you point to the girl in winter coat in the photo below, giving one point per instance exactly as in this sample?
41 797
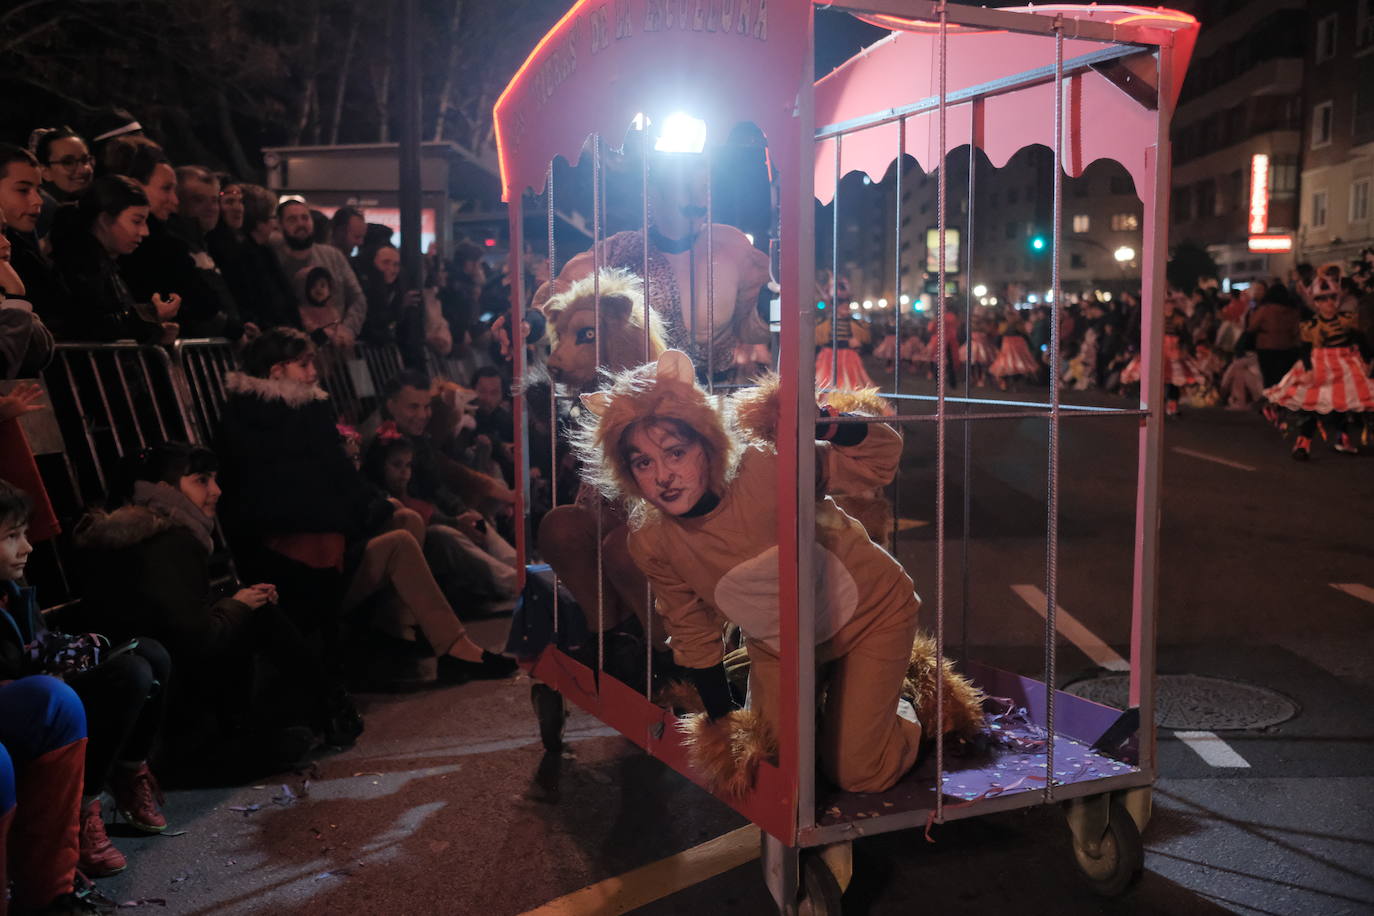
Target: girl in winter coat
149 573
298 497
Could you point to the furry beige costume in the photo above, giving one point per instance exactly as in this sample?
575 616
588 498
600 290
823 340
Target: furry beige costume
723 564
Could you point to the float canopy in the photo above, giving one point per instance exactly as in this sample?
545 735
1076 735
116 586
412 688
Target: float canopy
733 61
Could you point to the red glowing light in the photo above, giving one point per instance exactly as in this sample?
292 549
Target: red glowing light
1259 195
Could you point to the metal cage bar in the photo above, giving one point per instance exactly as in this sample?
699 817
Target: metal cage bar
598 229
975 112
1052 471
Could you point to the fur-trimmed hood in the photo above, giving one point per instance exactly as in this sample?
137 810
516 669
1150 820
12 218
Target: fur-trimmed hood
668 389
290 393
665 389
124 527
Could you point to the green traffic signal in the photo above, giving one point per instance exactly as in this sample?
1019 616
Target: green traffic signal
1038 243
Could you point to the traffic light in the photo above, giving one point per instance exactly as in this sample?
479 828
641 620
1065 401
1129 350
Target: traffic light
1037 243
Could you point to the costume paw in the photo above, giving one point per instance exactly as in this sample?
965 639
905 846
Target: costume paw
726 753
963 712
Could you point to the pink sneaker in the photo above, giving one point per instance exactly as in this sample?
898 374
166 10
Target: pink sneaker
99 858
137 797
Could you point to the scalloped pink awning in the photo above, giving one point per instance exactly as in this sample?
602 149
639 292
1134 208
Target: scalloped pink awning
1100 121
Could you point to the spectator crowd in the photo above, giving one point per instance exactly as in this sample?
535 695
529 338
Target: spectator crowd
358 548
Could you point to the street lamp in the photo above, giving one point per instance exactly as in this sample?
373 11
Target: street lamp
980 290
1124 253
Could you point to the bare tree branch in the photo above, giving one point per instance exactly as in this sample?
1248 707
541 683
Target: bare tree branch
18 41
345 68
446 94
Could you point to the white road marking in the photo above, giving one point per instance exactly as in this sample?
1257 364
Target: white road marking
1206 457
1207 745
1213 750
1363 592
1097 650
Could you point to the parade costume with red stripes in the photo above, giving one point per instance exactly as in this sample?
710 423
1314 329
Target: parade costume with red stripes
1331 385
919 351
840 366
1338 381
1179 369
978 351
1015 356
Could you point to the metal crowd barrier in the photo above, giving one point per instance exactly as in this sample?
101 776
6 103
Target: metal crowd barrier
355 378
198 369
112 400
384 363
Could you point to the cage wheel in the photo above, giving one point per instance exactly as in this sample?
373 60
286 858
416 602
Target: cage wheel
820 890
1120 857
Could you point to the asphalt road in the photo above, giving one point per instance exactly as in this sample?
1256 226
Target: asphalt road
432 812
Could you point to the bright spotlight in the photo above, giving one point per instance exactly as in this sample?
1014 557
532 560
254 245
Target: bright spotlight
882 303
992 300
905 299
868 303
853 306
1124 253
1032 298
980 290
750 237
681 133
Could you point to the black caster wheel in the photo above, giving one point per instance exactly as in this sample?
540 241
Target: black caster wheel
820 891
1119 859
552 714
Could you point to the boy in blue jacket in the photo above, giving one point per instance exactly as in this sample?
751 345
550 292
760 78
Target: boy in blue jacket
123 697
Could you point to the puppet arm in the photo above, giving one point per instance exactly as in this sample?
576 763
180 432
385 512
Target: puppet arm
853 457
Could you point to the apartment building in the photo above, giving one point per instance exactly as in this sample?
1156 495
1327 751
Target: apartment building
1237 135
1337 218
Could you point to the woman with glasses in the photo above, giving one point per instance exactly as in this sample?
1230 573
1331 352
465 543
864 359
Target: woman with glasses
67 169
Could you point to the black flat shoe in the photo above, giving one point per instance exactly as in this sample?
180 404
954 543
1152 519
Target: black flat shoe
492 667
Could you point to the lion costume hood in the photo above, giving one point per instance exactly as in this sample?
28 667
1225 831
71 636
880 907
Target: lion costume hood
662 390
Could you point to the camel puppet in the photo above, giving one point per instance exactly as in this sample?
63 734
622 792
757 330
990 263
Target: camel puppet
567 536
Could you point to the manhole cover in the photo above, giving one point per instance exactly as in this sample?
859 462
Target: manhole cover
1195 702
